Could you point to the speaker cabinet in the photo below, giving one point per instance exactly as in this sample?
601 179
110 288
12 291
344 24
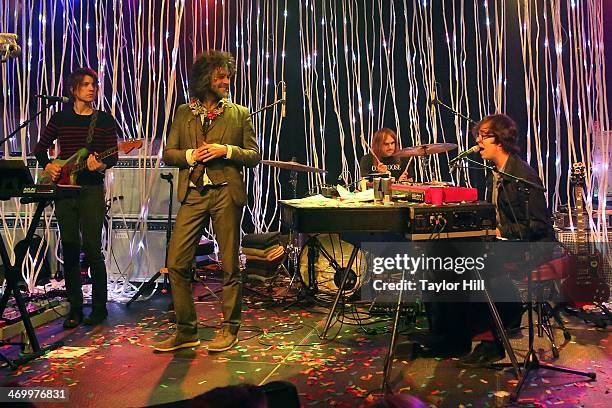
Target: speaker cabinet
136 251
137 191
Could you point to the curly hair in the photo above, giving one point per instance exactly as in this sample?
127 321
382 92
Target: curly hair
75 78
203 68
379 139
503 129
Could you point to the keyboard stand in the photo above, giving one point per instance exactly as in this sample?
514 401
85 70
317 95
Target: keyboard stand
11 276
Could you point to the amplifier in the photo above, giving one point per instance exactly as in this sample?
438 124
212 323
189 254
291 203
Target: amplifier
475 216
136 253
137 191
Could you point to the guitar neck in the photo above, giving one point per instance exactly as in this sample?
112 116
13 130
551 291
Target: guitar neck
581 234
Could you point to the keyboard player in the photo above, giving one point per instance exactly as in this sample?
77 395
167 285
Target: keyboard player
497 138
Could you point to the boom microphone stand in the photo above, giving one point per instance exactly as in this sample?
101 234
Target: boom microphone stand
27 122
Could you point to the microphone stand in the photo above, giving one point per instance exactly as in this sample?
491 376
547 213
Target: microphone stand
151 282
506 175
267 107
24 124
531 361
453 111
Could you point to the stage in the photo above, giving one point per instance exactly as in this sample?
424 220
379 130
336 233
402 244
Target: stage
120 369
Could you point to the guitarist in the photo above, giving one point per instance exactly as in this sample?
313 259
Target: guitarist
80 125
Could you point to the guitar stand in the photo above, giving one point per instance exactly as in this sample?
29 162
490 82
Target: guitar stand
13 289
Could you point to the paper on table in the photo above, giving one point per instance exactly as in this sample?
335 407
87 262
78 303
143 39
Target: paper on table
367 195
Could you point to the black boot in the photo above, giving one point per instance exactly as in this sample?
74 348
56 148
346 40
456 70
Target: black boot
484 354
97 316
74 318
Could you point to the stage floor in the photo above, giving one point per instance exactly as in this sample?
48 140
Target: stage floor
120 368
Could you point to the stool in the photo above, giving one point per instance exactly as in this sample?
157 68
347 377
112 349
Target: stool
546 276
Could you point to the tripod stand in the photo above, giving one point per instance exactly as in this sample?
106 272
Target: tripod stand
532 361
151 282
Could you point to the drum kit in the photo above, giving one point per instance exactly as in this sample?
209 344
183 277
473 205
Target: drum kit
330 251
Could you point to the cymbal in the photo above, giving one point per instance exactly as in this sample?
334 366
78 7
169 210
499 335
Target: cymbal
425 149
294 166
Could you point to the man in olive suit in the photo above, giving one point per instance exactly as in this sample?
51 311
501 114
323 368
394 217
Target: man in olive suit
210 141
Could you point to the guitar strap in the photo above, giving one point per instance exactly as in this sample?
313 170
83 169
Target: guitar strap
92 128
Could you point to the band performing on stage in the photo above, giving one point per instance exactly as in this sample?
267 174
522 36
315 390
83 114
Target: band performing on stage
420 226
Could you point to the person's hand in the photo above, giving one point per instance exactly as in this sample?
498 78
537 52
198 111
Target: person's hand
209 151
404 177
54 171
93 164
498 233
381 168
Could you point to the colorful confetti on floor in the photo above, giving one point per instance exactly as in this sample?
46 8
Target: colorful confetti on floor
113 365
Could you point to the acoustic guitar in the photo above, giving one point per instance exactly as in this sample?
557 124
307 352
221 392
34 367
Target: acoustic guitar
76 163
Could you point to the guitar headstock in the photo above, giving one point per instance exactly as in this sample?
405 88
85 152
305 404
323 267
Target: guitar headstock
578 173
129 145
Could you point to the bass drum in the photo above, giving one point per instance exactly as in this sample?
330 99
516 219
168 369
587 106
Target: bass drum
331 257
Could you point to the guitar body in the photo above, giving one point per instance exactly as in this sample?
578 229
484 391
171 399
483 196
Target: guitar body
584 285
67 176
72 166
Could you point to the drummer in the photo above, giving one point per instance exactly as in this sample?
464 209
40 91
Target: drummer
381 159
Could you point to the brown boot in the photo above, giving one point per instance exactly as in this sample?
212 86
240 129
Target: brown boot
225 339
176 342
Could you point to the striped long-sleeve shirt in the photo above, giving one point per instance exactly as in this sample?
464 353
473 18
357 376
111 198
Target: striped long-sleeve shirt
71 131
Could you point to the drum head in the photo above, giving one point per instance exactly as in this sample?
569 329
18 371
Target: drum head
327 248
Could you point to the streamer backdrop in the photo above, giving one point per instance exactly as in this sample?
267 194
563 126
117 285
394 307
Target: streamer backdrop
351 67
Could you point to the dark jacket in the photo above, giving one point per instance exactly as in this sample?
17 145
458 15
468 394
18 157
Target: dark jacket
512 197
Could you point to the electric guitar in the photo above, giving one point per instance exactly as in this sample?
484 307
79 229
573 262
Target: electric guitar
76 163
584 286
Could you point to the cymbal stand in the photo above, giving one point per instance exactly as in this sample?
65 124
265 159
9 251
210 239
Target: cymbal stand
293 180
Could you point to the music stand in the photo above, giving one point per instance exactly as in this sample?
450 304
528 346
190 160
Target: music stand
14 175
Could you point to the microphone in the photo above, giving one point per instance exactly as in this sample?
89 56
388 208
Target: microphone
284 101
466 153
54 99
